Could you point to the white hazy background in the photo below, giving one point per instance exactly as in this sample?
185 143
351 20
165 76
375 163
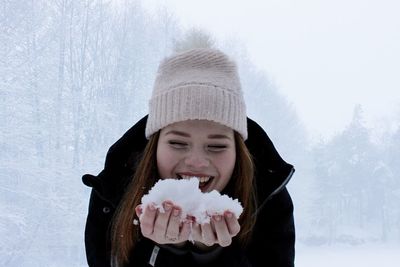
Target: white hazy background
324 56
320 77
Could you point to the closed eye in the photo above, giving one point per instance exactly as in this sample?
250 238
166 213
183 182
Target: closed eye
177 144
217 148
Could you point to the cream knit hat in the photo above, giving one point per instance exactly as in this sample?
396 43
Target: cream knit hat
197 84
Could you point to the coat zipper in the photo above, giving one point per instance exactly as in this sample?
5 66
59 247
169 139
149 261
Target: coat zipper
276 191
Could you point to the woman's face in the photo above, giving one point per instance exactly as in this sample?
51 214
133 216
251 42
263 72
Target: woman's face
200 148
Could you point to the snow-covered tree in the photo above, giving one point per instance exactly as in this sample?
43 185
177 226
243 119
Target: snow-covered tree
74 76
351 184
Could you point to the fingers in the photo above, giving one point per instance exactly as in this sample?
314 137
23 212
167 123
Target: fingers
221 230
204 234
147 220
196 232
163 226
139 210
208 235
161 223
232 223
185 231
172 232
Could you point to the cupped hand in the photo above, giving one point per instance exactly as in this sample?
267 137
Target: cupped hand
220 230
163 227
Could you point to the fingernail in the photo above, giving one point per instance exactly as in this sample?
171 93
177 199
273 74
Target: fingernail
167 206
189 219
193 219
152 207
139 210
176 212
229 214
217 217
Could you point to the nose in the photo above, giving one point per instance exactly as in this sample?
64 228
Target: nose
196 160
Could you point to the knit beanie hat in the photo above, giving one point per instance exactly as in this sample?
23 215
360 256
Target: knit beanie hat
198 84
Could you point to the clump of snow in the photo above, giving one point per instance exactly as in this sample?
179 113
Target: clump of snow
186 194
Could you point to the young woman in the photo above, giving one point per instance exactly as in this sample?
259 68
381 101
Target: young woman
197 126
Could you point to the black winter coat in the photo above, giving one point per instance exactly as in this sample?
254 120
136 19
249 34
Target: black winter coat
273 238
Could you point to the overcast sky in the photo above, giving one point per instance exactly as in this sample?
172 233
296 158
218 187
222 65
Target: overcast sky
324 56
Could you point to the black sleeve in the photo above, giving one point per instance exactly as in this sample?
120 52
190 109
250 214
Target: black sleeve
273 241
97 242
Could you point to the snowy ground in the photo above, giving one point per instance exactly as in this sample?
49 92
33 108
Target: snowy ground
346 256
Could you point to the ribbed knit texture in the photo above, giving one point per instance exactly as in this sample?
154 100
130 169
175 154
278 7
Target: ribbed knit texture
197 84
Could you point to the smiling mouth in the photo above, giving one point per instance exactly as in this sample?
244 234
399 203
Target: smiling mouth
204 181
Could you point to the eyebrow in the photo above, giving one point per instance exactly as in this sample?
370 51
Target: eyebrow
178 133
219 136
211 136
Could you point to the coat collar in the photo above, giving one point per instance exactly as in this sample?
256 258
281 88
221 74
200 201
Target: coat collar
272 173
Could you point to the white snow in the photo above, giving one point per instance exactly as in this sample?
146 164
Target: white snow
186 194
368 255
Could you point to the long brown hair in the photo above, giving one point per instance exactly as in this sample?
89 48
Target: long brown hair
125 235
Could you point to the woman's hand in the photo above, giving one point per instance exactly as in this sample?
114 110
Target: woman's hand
220 230
163 227
166 227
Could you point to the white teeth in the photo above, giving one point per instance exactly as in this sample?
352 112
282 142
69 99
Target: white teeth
201 179
204 179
